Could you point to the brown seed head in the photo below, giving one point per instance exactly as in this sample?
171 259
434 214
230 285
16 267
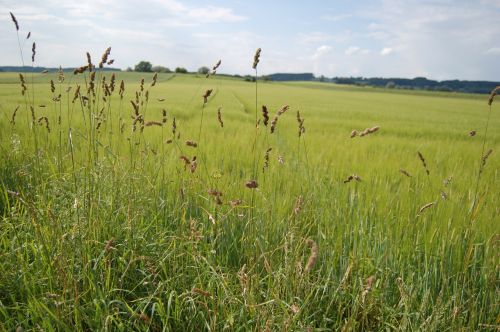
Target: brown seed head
403 171
422 159
33 52
251 184
256 58
192 144
104 57
164 115
494 92
15 21
485 157
265 115
152 123
206 95
89 61
13 119
219 117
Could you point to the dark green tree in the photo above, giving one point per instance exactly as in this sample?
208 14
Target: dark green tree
144 66
161 69
181 70
203 70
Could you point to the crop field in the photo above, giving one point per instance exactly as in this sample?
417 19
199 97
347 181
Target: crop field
181 203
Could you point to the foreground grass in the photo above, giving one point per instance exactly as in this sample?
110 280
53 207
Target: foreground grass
107 228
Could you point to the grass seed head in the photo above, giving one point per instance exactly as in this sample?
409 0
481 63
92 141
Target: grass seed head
13 119
485 157
104 57
265 115
493 93
14 20
219 117
44 121
404 172
191 144
426 206
33 52
152 123
422 159
206 95
251 184
256 58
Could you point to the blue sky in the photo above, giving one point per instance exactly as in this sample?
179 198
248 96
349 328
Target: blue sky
439 39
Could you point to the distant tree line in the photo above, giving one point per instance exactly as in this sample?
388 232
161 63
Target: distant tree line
417 83
29 69
147 67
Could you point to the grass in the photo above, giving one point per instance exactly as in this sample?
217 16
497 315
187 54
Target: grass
110 230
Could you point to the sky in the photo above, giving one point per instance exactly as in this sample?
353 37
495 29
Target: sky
437 39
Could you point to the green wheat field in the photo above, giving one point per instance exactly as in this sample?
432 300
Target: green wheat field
139 206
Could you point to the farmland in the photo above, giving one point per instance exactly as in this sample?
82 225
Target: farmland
160 211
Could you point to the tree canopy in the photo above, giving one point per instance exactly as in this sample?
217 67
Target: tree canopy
144 66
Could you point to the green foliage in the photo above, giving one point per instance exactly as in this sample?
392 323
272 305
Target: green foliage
203 70
161 69
144 66
181 70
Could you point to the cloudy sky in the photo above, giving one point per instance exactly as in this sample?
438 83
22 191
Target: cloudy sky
439 39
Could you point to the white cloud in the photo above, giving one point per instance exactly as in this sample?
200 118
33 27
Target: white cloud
321 51
352 50
386 51
355 50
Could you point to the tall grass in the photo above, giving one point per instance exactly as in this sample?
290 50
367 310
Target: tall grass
116 225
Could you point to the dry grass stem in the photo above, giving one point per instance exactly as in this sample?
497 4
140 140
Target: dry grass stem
313 257
369 283
200 292
426 206
298 205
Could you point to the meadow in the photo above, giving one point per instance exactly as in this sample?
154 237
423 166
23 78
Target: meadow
156 205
